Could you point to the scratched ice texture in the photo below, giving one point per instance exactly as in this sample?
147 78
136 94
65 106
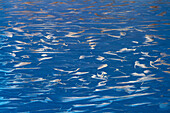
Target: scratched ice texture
84 56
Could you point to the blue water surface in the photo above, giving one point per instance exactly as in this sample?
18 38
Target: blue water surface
84 56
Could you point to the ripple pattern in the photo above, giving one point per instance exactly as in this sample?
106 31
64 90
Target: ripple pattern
89 56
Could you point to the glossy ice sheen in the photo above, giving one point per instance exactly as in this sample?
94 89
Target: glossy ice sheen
89 56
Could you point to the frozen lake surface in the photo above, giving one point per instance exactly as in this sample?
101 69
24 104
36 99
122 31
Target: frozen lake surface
84 56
